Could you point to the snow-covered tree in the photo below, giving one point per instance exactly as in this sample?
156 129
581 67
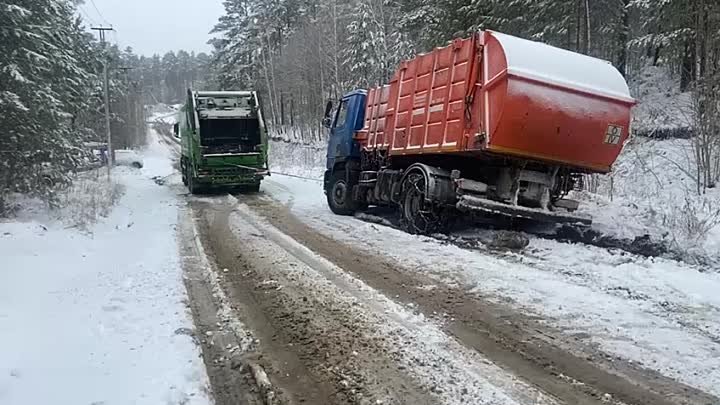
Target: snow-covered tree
45 84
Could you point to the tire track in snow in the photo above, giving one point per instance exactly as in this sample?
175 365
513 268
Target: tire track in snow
531 349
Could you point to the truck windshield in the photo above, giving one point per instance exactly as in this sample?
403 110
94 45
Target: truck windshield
230 135
222 103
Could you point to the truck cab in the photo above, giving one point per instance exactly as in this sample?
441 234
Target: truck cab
343 153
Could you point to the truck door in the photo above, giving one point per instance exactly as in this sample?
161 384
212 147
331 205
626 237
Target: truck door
339 135
348 119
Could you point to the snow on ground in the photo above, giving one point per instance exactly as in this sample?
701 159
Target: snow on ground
662 108
659 313
652 191
297 159
164 113
652 188
91 318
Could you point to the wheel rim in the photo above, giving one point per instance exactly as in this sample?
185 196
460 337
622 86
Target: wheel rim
339 191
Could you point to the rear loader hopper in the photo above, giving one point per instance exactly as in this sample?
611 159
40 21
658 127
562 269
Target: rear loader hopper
492 124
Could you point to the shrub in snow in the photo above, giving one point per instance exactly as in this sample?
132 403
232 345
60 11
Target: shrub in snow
297 158
653 190
663 111
90 198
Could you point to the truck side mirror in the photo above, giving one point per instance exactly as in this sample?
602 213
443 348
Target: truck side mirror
326 122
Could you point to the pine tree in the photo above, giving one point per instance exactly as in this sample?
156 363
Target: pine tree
375 46
44 85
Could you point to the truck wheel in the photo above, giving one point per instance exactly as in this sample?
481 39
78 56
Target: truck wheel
255 188
419 215
339 195
183 171
191 183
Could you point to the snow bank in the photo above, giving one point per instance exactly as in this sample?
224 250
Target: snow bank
297 159
98 317
663 111
652 191
91 197
163 112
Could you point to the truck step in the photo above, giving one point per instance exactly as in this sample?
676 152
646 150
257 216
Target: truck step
470 203
471 186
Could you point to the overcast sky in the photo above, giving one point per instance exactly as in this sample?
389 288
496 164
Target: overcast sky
156 26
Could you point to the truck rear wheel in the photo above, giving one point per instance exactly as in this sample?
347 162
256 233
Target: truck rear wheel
339 195
419 215
183 171
192 185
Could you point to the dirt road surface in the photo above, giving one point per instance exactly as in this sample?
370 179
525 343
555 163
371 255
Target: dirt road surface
331 323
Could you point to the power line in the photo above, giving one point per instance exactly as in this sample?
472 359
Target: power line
116 38
86 15
99 13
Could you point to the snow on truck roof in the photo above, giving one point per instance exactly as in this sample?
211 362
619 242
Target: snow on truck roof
224 93
549 64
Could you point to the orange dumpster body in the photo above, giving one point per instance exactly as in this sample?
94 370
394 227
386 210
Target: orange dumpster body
500 96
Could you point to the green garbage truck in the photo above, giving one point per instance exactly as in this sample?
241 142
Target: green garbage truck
224 141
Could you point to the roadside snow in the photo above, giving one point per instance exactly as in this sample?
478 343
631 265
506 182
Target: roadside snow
164 113
659 313
662 109
297 159
92 318
652 191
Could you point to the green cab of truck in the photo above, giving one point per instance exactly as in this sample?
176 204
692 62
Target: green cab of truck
224 141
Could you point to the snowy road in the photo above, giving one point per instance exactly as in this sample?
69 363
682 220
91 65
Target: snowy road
644 319
367 313
291 304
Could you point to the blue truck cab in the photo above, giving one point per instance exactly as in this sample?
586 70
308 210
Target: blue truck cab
343 153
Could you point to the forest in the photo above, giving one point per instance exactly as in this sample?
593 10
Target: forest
51 93
300 53
303 52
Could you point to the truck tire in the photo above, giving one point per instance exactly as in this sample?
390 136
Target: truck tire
419 215
183 171
192 185
339 195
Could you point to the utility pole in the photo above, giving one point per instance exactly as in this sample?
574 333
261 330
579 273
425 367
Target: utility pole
127 101
110 151
143 111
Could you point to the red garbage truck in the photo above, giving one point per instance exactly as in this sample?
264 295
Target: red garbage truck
490 124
